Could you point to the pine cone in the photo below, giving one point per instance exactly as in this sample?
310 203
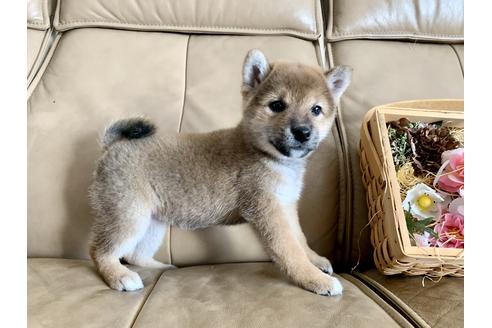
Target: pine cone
428 144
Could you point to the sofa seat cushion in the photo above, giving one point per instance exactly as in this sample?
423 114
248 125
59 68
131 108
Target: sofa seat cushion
386 72
69 293
429 303
253 295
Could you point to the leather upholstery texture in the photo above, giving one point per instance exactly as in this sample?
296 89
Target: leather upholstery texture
83 89
426 20
39 12
252 295
69 293
385 72
35 41
295 17
38 34
435 303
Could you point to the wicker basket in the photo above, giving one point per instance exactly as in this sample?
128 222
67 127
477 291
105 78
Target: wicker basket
393 252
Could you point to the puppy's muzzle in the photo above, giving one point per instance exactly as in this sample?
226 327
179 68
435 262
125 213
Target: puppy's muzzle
301 133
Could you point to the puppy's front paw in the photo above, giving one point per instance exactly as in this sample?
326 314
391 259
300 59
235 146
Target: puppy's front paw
324 285
323 264
335 287
125 281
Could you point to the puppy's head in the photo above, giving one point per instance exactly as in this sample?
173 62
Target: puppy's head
289 108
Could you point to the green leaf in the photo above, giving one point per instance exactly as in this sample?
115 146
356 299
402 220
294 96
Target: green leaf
419 226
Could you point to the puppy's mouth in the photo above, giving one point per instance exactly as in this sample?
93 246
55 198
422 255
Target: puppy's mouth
297 151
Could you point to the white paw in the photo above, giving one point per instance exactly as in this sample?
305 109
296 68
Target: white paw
323 264
336 288
323 284
127 281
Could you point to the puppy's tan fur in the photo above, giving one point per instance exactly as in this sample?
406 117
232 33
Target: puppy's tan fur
251 173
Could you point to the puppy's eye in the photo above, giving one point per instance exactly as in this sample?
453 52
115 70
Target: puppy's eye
316 110
277 106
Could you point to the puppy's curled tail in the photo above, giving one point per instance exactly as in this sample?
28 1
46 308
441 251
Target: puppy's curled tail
131 128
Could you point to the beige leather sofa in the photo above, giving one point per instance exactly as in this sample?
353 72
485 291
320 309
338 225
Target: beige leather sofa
178 62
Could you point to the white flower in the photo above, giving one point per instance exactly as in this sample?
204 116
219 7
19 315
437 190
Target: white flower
423 202
422 240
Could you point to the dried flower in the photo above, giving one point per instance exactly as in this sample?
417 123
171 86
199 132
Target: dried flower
428 144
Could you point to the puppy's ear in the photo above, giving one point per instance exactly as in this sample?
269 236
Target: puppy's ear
255 69
338 79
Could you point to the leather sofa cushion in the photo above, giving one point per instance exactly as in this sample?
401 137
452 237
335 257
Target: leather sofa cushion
69 293
297 17
36 41
254 295
385 72
94 77
429 20
435 303
38 13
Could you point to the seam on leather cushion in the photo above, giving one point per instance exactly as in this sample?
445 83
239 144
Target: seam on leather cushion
34 83
459 59
402 306
345 220
337 35
63 26
38 60
147 298
35 23
392 312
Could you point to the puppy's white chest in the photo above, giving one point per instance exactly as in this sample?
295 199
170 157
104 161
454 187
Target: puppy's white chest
289 186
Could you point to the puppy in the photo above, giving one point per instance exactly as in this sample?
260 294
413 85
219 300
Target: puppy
143 183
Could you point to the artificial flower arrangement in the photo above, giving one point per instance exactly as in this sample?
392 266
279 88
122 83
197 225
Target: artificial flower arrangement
429 163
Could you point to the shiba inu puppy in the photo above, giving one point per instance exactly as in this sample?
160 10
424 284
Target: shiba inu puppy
251 173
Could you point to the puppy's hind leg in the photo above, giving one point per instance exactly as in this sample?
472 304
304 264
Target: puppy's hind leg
143 253
114 236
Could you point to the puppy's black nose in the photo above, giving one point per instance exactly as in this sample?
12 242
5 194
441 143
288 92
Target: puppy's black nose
301 133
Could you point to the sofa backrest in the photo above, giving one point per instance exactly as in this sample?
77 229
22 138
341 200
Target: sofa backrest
39 14
256 17
423 20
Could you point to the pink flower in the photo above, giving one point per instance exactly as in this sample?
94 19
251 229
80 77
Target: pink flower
451 231
451 175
